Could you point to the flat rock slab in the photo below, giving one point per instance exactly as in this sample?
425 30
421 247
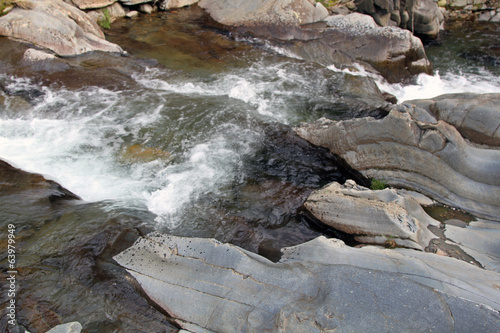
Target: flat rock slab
212 287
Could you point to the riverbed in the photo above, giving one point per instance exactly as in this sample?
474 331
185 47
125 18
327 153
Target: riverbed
211 119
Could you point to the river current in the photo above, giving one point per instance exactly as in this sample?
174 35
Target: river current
214 121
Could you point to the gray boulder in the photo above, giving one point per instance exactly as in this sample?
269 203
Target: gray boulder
475 116
354 39
422 17
170 4
382 217
57 26
207 286
410 149
264 12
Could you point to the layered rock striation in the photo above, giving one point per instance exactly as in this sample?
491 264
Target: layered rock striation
382 217
475 116
410 148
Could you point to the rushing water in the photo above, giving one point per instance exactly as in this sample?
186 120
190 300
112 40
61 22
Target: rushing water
213 123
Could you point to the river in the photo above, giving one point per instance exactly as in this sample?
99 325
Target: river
213 120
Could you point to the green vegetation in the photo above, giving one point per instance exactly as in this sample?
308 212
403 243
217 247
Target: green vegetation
105 22
5 4
378 184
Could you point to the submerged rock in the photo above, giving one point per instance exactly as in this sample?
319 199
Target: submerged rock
378 217
208 286
57 26
475 116
409 148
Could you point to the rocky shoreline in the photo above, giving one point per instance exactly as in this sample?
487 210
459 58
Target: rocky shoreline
403 275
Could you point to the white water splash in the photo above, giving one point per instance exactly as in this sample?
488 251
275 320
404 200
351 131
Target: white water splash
428 86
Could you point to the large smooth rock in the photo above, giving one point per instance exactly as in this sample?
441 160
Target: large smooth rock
449 275
263 12
475 116
349 40
381 217
212 287
409 148
57 26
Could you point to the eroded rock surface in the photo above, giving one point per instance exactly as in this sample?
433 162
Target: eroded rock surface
409 148
212 287
378 217
57 26
475 116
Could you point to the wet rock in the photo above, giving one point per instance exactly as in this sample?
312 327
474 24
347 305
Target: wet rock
57 26
170 4
14 180
251 13
480 240
209 286
73 327
431 158
475 116
381 217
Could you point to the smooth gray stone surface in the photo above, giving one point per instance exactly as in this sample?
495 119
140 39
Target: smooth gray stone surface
212 287
480 240
476 116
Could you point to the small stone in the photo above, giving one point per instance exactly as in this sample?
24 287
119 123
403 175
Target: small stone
131 14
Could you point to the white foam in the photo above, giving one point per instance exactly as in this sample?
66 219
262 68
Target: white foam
428 86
